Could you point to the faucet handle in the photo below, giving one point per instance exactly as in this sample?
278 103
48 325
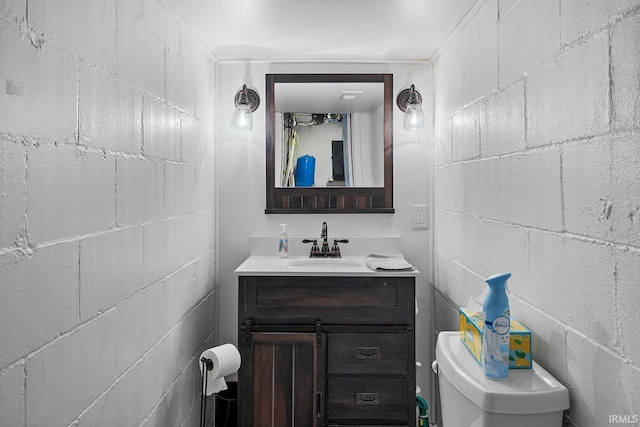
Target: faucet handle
336 250
314 247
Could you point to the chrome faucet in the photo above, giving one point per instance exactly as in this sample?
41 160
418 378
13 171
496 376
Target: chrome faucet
316 252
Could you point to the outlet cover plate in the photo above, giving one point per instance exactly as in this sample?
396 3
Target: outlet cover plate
420 216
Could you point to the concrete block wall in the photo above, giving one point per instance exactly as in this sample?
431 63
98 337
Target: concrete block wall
107 213
537 160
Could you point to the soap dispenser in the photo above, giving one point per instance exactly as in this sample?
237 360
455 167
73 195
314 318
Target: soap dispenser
283 243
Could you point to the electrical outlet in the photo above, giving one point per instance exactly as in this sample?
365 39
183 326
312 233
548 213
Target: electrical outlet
420 217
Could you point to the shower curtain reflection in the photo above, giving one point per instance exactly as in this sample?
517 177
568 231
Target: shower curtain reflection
344 146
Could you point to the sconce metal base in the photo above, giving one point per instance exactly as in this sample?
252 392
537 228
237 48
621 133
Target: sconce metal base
403 96
252 95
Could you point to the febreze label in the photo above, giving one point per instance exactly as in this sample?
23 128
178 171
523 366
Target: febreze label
501 327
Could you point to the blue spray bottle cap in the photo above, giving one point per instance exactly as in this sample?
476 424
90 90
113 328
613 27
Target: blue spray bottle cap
497 294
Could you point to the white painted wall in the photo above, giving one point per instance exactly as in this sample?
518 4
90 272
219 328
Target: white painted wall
106 214
536 172
241 180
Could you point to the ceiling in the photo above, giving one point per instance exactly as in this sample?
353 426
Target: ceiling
328 97
327 30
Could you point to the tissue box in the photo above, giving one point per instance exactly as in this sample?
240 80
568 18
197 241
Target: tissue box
519 339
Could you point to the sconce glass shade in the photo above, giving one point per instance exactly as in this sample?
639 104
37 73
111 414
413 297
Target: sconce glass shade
410 102
246 102
242 118
413 117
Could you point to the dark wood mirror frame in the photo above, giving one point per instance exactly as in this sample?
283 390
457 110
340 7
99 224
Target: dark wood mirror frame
290 200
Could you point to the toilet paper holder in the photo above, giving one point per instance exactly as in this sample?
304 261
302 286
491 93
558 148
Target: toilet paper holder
208 363
219 361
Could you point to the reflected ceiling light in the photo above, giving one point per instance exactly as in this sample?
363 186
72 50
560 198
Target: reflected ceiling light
246 101
410 102
350 94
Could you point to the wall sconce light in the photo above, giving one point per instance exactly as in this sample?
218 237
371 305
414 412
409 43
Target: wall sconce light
246 101
410 102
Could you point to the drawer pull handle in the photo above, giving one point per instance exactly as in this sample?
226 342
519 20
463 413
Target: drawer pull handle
368 353
368 398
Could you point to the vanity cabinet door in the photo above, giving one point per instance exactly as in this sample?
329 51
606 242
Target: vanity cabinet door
281 380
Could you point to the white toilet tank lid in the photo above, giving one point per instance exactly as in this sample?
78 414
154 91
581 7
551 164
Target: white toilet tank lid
526 391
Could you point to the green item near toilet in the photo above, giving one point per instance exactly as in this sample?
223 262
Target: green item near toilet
423 419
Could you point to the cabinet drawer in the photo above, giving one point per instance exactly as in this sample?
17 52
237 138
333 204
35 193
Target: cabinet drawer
331 300
368 353
379 399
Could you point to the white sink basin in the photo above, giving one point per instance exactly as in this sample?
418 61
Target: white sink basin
325 263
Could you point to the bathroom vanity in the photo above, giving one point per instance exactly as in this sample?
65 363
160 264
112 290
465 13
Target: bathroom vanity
325 343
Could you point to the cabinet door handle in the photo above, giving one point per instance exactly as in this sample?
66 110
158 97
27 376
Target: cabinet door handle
367 398
318 404
368 352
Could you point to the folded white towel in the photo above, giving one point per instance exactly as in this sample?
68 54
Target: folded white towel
395 262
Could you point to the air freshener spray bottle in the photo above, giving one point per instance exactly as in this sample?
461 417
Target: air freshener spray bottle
283 243
495 338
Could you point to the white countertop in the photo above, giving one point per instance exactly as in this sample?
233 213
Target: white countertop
304 266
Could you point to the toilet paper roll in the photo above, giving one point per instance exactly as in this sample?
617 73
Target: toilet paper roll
226 361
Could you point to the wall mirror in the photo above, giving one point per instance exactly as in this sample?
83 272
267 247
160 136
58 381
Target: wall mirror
329 143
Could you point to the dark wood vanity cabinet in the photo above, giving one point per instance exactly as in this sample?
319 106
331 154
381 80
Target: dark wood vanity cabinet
326 351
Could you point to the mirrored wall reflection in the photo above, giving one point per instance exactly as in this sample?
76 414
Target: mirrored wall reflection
339 148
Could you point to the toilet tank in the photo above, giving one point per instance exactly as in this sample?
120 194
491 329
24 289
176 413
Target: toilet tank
528 398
